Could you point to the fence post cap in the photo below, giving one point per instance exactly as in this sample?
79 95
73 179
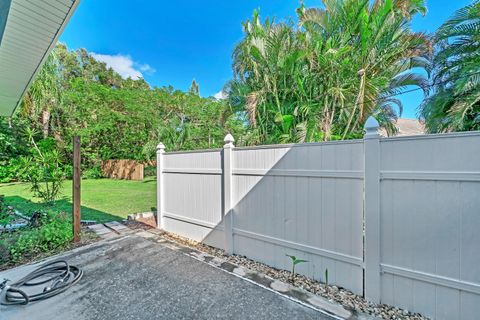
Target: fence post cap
160 147
371 127
229 139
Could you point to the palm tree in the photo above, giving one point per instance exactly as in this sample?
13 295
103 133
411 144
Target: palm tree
322 79
263 65
43 95
455 102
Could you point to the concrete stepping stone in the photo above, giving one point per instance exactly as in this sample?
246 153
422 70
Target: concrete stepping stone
100 230
117 226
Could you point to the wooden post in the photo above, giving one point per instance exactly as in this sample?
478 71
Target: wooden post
76 189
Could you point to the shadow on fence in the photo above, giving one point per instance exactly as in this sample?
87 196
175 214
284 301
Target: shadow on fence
302 200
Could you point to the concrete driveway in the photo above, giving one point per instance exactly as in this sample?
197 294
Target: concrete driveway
133 277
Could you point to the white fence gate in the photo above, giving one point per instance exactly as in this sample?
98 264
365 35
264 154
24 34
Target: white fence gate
394 219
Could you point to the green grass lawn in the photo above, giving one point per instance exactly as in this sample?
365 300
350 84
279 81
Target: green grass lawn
103 200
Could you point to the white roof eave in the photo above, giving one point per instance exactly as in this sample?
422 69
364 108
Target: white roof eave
31 32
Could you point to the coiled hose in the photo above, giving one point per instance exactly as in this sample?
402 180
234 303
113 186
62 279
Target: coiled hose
57 276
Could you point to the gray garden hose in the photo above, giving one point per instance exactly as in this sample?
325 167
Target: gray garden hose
57 276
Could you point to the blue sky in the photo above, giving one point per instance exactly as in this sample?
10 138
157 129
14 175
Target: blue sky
173 42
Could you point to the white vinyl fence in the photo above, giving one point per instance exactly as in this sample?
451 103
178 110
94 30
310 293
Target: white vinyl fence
394 219
430 224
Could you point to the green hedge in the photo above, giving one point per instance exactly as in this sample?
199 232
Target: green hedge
54 231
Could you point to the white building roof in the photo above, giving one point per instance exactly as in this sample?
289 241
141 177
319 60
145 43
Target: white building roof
29 29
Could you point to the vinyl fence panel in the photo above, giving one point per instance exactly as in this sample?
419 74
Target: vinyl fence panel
300 200
430 220
395 219
193 196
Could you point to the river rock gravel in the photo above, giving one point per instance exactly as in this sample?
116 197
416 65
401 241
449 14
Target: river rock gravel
342 296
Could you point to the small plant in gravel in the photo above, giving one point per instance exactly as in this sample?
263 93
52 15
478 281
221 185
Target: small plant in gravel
327 288
344 297
295 261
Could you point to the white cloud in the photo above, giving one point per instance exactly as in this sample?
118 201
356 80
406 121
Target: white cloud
220 95
124 65
147 68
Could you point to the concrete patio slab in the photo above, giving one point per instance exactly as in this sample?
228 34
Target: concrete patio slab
133 277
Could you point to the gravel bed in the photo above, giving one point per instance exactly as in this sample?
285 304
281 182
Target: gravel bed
342 296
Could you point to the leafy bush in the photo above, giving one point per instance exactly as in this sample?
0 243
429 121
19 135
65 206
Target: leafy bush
4 252
54 231
11 171
44 174
43 169
150 171
93 173
6 174
13 142
5 217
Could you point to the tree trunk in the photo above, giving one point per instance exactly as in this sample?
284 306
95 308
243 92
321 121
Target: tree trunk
358 102
45 123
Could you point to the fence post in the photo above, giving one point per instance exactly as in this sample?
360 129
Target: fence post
160 183
227 192
372 210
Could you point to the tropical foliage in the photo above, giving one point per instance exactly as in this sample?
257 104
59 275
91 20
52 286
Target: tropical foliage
51 231
322 79
43 169
455 102
318 77
116 118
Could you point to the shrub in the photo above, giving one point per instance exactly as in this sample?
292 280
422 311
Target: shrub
4 252
5 217
43 169
93 173
44 174
55 231
5 173
11 171
150 171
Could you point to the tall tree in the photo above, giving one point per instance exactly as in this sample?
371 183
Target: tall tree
194 88
43 95
75 94
323 78
454 104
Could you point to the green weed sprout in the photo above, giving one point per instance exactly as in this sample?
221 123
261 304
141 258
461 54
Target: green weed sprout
295 261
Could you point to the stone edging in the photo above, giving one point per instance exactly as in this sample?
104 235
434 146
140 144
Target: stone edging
279 287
